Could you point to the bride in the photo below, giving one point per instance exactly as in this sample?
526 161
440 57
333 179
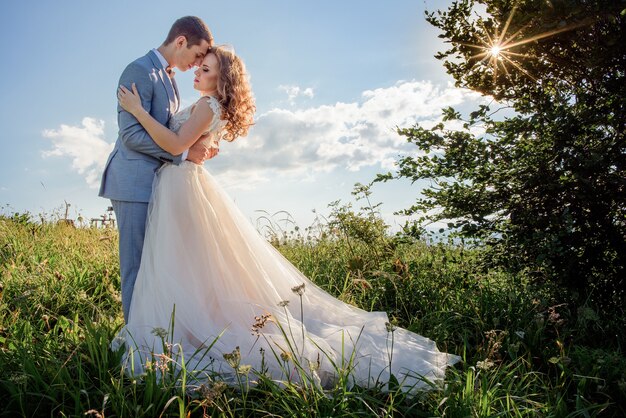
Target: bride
215 294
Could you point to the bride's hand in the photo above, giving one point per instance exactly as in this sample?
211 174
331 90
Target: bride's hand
129 100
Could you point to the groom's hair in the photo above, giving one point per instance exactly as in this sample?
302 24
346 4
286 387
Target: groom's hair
192 28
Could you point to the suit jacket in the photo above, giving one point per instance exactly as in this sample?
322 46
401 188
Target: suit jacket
130 169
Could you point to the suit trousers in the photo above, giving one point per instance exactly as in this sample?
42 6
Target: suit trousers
131 224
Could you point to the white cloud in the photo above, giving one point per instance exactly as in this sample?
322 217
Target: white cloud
294 92
296 144
84 144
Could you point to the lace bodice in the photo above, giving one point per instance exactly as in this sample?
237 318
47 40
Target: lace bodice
215 128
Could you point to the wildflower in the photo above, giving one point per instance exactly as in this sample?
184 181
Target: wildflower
162 362
285 356
159 332
259 323
19 379
233 358
244 369
389 327
212 391
314 365
554 317
485 365
283 303
494 342
298 290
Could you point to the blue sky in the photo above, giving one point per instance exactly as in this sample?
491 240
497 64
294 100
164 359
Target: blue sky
332 80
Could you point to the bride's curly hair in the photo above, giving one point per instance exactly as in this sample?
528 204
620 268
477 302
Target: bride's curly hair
234 94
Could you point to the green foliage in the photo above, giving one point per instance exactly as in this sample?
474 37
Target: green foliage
526 351
544 187
365 227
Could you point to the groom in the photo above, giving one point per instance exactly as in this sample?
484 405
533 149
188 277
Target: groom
130 169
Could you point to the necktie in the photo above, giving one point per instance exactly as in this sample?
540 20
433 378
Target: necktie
171 74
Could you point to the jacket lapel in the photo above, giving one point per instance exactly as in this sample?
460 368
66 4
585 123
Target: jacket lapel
167 83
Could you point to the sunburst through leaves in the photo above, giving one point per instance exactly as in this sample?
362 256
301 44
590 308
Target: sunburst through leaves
498 49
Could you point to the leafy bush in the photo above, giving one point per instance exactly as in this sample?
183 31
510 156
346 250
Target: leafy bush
543 188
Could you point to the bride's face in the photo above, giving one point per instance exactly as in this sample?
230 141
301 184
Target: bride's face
207 75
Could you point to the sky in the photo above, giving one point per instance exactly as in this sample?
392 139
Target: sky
332 81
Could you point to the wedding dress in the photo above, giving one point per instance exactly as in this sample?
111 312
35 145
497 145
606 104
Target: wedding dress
215 294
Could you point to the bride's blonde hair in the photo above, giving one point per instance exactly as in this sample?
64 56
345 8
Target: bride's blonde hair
234 93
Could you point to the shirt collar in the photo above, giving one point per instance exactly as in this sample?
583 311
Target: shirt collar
161 58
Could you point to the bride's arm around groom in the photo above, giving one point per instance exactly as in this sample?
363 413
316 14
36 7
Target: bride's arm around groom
156 98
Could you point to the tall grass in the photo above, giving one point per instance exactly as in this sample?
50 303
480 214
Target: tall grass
526 351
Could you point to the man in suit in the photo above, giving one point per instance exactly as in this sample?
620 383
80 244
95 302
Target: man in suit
130 169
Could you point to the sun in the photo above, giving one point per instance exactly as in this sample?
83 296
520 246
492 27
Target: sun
495 51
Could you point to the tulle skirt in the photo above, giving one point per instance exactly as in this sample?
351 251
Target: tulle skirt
215 295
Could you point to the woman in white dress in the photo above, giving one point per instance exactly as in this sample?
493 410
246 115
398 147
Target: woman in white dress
212 291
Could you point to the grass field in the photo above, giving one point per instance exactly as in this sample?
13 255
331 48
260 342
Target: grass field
526 351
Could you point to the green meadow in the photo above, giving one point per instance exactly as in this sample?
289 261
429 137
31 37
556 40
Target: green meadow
526 350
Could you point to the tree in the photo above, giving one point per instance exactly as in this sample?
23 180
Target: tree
544 189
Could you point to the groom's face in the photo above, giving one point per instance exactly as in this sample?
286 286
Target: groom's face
189 57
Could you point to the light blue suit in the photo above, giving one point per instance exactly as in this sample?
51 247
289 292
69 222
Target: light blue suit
129 171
